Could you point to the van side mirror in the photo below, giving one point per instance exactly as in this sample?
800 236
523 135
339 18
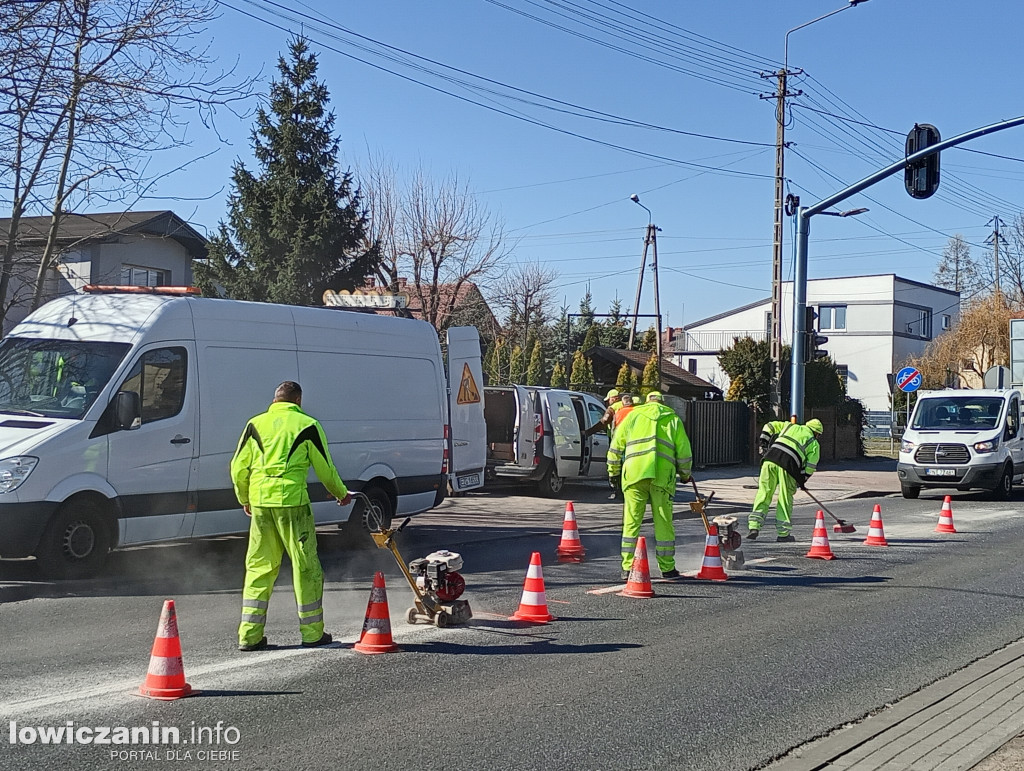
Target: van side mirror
127 410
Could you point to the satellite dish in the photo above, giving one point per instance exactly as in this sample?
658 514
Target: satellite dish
997 377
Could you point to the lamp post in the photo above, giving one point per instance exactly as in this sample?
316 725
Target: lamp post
650 240
780 182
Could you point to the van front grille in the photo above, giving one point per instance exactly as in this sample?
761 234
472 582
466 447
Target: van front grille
942 453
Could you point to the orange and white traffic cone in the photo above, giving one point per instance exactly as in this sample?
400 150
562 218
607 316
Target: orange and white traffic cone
819 541
711 569
639 582
876 532
569 548
946 517
533 606
165 679
376 635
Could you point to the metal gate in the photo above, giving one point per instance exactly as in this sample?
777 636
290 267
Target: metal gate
719 432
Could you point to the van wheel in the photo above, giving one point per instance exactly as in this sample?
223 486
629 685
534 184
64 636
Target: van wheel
378 515
76 542
1005 486
550 484
910 491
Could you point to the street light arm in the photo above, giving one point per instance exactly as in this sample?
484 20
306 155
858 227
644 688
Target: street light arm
785 51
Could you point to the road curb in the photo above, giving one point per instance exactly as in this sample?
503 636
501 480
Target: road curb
16 592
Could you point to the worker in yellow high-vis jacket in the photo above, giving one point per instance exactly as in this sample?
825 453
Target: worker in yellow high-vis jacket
649 450
269 472
792 456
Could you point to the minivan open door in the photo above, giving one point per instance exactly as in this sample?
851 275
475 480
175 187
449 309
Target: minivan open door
467 450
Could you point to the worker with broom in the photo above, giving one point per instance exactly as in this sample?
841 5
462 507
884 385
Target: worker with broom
791 458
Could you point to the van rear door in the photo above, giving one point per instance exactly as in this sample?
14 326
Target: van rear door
527 431
567 434
467 449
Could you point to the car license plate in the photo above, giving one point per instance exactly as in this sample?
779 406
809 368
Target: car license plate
940 472
469 480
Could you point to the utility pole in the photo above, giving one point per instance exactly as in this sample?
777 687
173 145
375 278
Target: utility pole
639 288
652 234
994 240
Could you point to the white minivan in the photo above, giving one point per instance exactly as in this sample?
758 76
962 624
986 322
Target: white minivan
964 439
536 435
120 410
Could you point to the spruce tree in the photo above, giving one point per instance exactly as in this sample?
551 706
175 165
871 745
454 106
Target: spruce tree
297 227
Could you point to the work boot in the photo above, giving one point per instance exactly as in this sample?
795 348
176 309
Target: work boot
257 646
752 535
785 539
624 575
673 573
325 640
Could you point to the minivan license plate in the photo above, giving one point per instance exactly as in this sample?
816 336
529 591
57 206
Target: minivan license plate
469 480
940 472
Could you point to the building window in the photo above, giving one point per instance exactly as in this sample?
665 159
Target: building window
922 326
692 366
132 275
946 321
832 317
844 373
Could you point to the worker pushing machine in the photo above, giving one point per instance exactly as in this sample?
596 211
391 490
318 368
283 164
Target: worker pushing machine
791 454
269 474
649 450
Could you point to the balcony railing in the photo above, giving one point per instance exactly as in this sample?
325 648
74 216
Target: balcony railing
714 341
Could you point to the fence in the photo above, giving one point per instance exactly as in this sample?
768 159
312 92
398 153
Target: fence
719 432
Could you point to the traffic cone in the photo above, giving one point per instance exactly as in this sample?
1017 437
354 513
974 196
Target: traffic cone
165 679
876 533
639 582
376 634
533 606
946 517
819 541
711 569
569 548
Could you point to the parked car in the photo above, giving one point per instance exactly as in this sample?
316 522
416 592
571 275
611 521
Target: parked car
120 412
536 436
964 439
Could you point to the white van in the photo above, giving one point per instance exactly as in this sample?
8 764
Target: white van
120 411
963 439
535 435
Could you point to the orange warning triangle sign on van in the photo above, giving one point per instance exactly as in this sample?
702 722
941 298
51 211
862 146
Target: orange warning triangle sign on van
468 392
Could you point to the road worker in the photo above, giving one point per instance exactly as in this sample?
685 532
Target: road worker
791 458
614 401
269 472
649 450
627 407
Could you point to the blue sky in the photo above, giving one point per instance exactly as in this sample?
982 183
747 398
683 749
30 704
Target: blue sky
565 199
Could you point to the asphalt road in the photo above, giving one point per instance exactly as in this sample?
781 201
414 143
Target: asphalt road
703 676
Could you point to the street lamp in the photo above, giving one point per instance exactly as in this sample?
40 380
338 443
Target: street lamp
780 182
850 212
650 239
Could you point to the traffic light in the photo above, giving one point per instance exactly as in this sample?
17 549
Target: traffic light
922 177
812 351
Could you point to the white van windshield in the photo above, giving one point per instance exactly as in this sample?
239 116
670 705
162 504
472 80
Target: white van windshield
967 413
54 378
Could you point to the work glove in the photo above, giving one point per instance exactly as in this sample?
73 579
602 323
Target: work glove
616 483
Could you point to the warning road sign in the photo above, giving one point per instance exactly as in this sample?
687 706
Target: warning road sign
468 392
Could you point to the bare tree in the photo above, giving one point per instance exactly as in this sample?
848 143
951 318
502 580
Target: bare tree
979 340
97 88
1011 263
525 294
958 270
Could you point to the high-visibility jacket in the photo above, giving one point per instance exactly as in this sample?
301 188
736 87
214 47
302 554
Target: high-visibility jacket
274 455
651 443
796 449
622 413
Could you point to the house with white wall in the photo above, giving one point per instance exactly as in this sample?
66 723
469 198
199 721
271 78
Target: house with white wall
874 324
146 248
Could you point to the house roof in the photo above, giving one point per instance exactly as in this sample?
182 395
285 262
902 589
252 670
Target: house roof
670 373
467 293
77 229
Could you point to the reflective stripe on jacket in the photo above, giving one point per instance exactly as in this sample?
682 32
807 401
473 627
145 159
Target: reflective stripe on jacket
274 455
797 450
651 443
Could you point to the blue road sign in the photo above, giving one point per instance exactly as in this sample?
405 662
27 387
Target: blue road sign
908 379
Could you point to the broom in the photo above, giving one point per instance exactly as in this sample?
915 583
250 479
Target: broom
841 526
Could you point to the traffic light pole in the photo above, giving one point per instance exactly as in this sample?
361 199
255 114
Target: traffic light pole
803 230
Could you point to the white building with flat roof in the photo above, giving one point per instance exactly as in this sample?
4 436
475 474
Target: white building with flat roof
874 324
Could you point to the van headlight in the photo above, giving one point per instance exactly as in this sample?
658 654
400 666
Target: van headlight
988 446
14 471
906 446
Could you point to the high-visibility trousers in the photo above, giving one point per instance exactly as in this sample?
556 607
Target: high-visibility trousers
636 497
273 531
773 477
